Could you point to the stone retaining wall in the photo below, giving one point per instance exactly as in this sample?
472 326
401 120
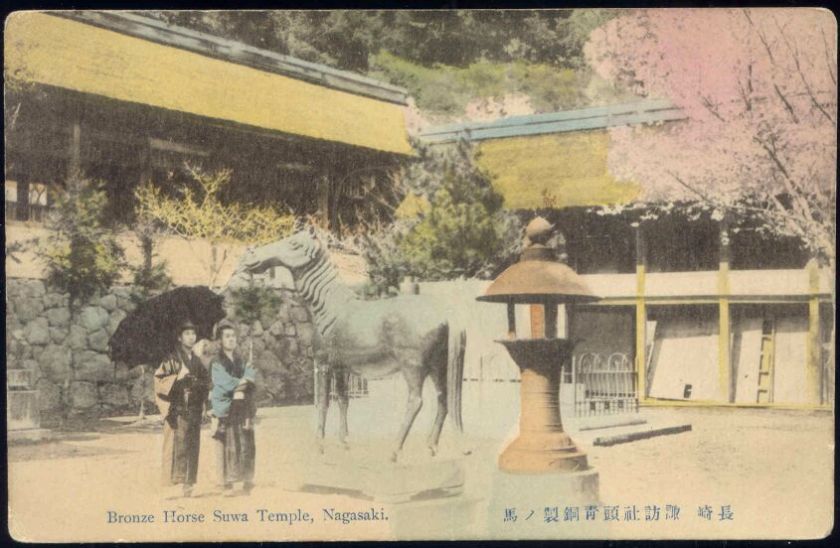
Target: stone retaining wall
68 355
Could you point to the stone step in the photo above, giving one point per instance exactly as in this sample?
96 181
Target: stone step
651 432
584 425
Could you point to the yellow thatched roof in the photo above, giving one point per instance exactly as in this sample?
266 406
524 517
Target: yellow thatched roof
556 159
64 53
557 170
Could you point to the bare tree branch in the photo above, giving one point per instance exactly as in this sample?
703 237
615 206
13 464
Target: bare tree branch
795 53
828 62
786 103
711 108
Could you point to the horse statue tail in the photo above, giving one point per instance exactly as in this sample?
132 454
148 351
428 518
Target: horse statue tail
455 374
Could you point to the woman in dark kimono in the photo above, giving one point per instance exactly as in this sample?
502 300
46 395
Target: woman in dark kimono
181 386
233 405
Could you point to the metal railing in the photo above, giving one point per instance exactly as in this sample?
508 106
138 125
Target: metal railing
607 384
37 212
357 387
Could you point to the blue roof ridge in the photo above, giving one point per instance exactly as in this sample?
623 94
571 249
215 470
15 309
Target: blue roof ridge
233 51
645 105
636 112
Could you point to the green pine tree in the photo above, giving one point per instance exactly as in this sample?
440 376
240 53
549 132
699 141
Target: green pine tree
81 253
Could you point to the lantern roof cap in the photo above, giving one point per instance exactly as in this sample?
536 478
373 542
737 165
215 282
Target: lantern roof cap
538 277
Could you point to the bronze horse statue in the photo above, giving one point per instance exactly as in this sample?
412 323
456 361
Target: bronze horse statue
371 338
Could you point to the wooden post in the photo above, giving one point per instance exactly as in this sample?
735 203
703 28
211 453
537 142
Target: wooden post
74 164
23 206
324 199
511 318
813 350
550 321
537 321
641 317
724 345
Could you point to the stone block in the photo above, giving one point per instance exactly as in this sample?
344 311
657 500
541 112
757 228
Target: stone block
300 314
98 340
267 361
31 365
93 318
277 329
108 302
35 289
12 321
305 333
22 411
92 366
259 345
49 394
83 395
58 334
257 329
56 300
126 304
55 361
37 331
121 372
27 309
58 317
114 394
283 313
77 339
292 348
14 347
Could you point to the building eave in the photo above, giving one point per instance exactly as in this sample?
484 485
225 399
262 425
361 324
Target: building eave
638 112
239 53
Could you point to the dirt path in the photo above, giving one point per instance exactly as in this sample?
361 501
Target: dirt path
774 470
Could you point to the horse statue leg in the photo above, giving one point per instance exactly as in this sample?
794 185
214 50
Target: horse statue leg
438 362
439 381
414 378
323 373
342 380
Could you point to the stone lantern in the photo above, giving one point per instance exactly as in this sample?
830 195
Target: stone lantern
544 283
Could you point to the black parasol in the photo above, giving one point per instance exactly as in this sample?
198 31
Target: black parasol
148 334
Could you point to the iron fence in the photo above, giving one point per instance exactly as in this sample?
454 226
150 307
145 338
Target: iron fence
357 387
602 385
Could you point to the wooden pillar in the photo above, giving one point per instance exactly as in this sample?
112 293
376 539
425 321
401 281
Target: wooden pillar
145 162
641 317
813 350
511 318
551 321
74 164
324 199
23 209
537 321
724 345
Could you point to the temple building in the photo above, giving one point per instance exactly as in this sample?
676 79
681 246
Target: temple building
693 312
125 99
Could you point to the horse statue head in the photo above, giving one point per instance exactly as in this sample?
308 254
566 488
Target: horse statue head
294 252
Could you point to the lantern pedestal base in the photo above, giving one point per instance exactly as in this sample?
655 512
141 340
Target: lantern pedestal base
544 452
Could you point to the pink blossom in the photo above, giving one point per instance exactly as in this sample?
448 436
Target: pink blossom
759 89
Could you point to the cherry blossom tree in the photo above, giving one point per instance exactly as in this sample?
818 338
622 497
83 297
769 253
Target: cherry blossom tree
758 88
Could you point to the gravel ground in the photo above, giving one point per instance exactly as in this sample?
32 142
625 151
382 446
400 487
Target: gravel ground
773 469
